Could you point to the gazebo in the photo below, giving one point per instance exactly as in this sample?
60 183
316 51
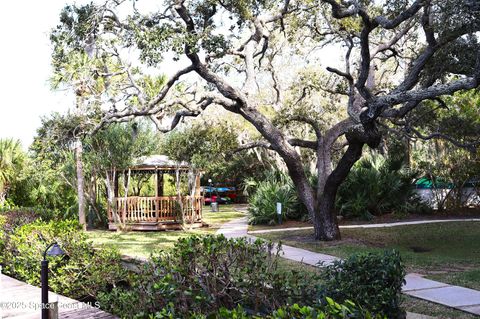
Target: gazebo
156 211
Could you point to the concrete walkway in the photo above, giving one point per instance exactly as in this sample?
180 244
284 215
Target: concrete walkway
22 301
382 225
464 299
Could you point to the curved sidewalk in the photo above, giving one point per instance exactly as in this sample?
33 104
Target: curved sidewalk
461 298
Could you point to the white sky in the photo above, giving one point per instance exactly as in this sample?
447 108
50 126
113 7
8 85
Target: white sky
25 67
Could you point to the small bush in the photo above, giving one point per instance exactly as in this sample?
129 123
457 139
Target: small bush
276 188
81 273
372 281
204 274
9 221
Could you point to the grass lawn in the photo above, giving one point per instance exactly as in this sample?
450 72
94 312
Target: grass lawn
448 252
136 243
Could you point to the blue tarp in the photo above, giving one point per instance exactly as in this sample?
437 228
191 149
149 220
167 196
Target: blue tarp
209 189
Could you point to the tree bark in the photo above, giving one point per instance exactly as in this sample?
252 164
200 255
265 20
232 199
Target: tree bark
80 183
325 217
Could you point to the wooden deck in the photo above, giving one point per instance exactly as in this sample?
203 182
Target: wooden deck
21 301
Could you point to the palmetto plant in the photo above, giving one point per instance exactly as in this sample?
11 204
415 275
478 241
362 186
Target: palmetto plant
12 159
276 188
375 186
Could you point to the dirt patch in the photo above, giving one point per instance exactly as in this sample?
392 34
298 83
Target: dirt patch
419 249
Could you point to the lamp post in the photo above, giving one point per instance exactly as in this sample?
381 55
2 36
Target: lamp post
52 250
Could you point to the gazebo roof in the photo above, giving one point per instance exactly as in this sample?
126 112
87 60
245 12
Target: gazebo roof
158 162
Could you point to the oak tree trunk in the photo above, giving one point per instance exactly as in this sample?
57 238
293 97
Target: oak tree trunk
324 215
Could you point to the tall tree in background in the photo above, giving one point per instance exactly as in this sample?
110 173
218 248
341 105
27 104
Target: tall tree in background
111 149
74 72
115 148
396 54
12 159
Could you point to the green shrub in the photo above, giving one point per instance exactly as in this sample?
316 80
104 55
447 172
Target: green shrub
330 310
276 188
81 273
372 281
378 185
9 221
204 274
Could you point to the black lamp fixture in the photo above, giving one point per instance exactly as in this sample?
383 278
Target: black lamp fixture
52 250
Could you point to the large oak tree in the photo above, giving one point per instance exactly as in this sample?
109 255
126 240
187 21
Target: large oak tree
227 53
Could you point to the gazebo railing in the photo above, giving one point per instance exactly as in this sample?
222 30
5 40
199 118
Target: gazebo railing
157 209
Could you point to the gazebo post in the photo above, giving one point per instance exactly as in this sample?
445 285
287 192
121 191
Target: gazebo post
159 183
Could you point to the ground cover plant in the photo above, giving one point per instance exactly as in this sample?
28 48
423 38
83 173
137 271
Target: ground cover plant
436 250
331 310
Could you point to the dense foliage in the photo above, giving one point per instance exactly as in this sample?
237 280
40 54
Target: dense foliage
12 162
211 147
331 310
10 220
80 274
47 178
372 281
201 277
204 274
378 185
